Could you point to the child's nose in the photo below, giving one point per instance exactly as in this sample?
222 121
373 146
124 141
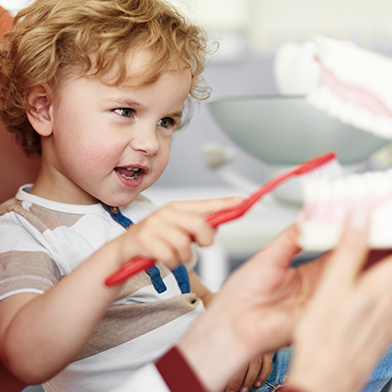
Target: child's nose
146 140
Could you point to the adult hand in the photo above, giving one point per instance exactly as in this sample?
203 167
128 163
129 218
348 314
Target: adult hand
347 324
254 313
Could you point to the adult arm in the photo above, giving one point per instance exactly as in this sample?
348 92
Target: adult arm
348 320
339 305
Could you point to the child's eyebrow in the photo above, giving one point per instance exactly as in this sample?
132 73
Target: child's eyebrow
175 114
126 102
133 104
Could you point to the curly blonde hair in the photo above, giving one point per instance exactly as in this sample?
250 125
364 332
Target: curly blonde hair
53 39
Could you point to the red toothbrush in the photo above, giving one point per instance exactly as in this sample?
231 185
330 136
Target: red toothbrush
324 165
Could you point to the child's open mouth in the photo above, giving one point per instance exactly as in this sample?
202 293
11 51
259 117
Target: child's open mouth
130 173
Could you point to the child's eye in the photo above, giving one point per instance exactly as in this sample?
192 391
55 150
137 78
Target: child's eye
125 112
166 122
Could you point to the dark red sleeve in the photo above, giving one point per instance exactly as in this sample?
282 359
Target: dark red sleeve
177 373
288 389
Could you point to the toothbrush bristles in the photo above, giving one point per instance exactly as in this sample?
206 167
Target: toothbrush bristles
328 171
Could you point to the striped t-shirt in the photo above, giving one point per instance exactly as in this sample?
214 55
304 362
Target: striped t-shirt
42 240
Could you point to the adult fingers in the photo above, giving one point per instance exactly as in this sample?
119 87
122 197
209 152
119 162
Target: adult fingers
283 248
351 254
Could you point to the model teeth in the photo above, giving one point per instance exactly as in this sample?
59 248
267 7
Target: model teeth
354 86
323 99
328 203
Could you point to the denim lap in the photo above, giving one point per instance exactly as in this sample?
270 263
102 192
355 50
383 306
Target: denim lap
280 363
381 374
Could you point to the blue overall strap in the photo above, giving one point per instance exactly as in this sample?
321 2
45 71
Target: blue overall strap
182 277
154 272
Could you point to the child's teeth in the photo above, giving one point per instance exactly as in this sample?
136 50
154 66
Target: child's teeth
133 168
130 177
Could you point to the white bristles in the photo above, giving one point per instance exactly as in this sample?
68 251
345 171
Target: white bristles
328 171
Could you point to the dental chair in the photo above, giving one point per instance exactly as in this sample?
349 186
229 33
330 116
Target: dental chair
15 170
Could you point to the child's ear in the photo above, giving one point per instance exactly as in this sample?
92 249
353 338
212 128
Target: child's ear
39 113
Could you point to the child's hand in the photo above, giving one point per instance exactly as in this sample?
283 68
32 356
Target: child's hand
255 374
166 235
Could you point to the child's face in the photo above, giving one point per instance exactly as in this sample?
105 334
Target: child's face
110 143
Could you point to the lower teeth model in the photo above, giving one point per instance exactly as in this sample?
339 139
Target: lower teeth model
327 204
355 86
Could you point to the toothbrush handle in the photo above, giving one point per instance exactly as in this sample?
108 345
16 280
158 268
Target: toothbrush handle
130 268
138 264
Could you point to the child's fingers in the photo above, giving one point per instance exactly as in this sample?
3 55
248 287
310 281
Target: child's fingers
177 244
235 383
207 206
264 371
167 234
171 245
196 227
254 368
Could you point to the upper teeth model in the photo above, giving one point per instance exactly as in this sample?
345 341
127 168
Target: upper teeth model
355 86
327 204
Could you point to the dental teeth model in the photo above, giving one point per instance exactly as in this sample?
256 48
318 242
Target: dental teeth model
327 204
355 86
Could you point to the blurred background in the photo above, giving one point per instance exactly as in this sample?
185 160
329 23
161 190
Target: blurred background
207 161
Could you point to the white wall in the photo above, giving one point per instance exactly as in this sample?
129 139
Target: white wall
14 5
363 21
268 23
220 14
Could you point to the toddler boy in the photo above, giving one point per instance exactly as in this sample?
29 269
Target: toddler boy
97 88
